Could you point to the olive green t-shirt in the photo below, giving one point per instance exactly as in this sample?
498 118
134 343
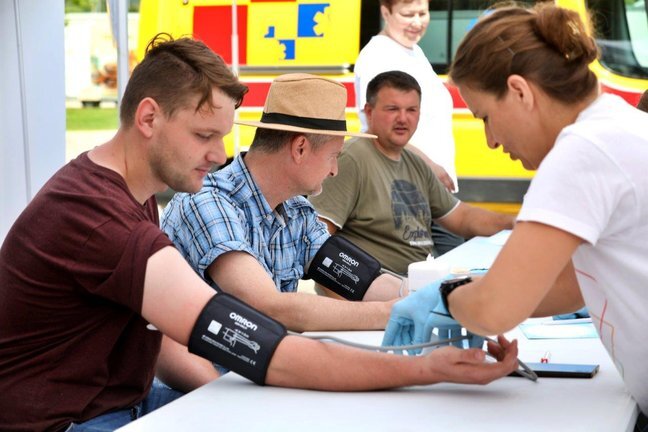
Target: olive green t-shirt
384 206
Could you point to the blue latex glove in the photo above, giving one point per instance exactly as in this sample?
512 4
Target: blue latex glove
580 313
414 318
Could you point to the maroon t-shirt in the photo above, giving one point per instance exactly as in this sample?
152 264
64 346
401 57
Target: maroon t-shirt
72 342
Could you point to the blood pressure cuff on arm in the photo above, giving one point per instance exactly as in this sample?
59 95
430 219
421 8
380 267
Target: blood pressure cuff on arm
344 268
236 336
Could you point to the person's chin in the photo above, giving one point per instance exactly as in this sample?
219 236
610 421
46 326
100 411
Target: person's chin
315 192
188 186
528 165
414 38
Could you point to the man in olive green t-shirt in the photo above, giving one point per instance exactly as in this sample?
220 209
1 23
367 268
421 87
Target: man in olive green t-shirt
385 197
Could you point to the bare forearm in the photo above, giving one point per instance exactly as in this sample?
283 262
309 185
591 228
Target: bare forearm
386 287
297 311
564 296
468 221
303 363
481 222
480 312
306 312
532 275
337 368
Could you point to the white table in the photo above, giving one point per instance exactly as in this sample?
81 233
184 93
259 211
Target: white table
551 404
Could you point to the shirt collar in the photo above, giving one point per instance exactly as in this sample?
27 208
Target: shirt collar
247 190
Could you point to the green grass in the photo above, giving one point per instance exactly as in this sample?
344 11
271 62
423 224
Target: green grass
91 118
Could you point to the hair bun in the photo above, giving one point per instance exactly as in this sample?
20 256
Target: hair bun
563 30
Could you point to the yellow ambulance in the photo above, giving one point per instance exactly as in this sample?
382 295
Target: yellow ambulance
264 38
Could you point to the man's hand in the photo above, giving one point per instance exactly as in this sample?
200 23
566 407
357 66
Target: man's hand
437 169
443 176
469 366
414 318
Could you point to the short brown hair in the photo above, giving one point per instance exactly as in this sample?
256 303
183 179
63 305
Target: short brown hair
273 140
389 3
173 72
546 44
395 79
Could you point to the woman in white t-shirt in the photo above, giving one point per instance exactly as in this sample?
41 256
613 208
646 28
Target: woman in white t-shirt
581 237
395 48
584 220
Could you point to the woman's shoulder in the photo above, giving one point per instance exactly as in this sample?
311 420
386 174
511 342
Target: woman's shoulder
375 48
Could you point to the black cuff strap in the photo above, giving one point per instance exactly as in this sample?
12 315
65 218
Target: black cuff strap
236 336
344 268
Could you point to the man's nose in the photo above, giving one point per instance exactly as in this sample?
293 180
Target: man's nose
217 154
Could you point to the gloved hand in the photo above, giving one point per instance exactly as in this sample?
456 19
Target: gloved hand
580 313
414 318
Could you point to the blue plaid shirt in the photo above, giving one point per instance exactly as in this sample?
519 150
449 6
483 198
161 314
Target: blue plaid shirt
230 214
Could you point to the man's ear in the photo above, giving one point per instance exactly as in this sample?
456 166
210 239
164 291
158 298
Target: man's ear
520 90
145 116
299 146
368 111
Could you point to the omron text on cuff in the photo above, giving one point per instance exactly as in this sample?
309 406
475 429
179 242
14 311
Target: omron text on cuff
344 268
236 336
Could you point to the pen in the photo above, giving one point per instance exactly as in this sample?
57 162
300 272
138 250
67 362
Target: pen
546 357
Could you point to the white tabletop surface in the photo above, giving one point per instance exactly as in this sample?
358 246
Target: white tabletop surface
549 405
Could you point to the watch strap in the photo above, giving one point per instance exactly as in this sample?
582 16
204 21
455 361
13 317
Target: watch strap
450 285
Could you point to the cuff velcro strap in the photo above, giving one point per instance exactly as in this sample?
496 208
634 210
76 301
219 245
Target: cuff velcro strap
236 336
344 268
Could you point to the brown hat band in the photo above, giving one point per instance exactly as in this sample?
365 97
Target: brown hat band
304 122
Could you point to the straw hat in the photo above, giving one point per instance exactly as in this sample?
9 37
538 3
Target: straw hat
305 103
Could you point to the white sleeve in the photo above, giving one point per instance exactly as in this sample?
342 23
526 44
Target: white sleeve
577 188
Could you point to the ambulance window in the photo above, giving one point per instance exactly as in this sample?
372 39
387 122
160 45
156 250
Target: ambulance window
622 35
450 20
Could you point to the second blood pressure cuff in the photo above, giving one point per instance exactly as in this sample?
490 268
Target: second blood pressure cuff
236 336
344 268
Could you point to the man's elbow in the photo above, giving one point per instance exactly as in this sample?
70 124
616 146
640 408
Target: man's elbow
330 226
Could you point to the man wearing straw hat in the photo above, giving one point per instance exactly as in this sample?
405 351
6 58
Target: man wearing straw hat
251 233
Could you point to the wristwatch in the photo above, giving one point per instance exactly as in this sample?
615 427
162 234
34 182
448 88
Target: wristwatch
450 285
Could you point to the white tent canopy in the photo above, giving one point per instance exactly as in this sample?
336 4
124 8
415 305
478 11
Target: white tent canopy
32 101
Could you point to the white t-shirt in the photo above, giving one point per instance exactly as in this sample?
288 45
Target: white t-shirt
434 133
594 184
